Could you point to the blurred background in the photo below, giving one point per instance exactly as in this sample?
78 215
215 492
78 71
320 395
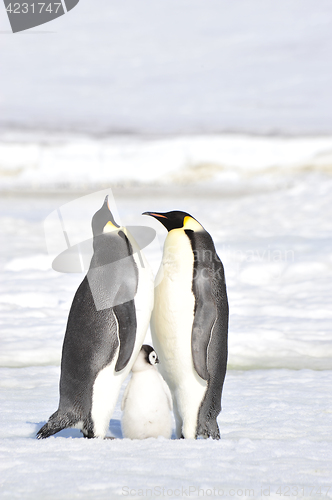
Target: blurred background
166 92
219 108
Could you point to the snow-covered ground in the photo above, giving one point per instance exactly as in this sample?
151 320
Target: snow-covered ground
34 161
276 420
275 428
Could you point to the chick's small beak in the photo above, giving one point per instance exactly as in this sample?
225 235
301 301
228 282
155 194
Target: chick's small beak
157 360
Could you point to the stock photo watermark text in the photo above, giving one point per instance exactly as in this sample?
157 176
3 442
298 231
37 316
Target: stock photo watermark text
194 491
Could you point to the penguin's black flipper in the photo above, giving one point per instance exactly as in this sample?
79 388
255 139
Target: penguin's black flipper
206 263
204 320
127 325
113 278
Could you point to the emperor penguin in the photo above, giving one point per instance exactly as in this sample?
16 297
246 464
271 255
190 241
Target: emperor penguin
107 323
147 401
189 324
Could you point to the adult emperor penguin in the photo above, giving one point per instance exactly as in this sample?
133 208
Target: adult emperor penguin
106 327
147 400
189 324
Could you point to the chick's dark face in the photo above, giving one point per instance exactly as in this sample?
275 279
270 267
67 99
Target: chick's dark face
150 354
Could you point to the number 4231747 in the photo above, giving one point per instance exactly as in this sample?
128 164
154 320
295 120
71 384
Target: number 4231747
24 8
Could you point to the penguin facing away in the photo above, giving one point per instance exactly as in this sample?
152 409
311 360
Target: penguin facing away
147 401
189 324
106 327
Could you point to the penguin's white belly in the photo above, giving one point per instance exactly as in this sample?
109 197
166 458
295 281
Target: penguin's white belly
172 321
146 408
104 396
108 383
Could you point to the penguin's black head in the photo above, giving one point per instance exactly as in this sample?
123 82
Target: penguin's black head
103 219
175 220
150 354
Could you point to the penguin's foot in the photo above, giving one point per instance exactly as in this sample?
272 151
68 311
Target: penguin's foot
90 436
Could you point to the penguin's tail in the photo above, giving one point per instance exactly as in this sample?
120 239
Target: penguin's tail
209 429
55 424
47 431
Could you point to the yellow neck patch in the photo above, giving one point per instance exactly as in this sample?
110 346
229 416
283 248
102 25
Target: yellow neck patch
109 227
190 223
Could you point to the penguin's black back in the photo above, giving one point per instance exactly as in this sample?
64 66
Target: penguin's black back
210 327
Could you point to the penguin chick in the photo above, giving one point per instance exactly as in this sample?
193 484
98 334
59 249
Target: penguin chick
147 400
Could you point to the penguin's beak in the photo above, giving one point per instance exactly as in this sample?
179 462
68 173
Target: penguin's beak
162 218
155 214
107 203
157 360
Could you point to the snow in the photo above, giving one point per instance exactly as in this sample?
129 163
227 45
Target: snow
276 417
172 67
274 429
75 161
